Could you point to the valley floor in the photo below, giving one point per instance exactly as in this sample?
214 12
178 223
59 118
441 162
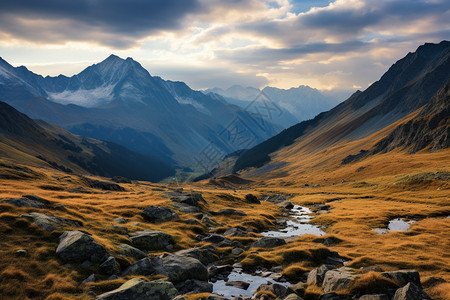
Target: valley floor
349 211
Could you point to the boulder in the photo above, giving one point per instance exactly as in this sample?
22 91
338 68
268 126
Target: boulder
277 289
411 292
250 198
138 289
38 199
432 281
218 240
287 205
23 202
316 276
230 212
268 242
146 266
293 297
234 232
374 297
110 266
191 199
77 246
21 253
337 279
185 208
157 214
151 240
402 277
330 296
204 255
238 284
181 268
90 278
47 222
195 286
130 251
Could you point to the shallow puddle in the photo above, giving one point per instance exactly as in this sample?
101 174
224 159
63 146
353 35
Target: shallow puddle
395 225
297 225
255 281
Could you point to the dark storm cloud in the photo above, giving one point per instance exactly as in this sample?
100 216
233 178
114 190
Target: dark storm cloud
113 22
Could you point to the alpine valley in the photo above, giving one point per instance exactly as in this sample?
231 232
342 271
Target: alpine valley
306 198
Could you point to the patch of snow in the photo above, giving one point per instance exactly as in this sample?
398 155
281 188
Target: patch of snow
195 104
4 73
86 98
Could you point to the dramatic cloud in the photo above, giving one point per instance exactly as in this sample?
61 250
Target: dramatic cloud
341 44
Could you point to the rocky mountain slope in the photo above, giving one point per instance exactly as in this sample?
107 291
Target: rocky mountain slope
407 86
42 144
119 101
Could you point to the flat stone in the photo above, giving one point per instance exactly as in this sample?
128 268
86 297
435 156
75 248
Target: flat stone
238 284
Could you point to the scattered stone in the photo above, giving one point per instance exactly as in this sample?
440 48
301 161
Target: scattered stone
91 278
157 214
138 289
403 277
193 222
120 179
293 297
250 198
299 288
130 251
238 284
432 281
23 202
145 266
234 232
103 185
224 270
47 222
185 208
268 242
337 279
207 220
120 229
120 220
110 266
277 198
204 255
77 246
287 205
195 286
191 199
277 289
151 240
371 269
374 297
135 224
38 199
21 253
216 297
215 239
230 212
329 296
113 277
411 292
317 275
335 261
237 251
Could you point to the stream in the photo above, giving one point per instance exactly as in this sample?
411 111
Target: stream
296 225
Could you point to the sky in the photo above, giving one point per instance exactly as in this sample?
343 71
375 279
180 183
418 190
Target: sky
340 45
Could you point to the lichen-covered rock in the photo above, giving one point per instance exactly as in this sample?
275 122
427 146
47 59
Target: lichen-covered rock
77 246
337 279
130 251
411 292
138 289
268 242
402 277
151 240
110 266
156 214
317 275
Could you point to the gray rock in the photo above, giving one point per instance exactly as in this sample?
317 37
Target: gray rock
157 214
195 286
337 279
293 297
287 205
151 240
110 266
185 208
21 253
216 297
238 284
234 232
207 220
23 202
120 229
216 239
193 222
402 277
86 264
204 255
237 251
120 220
146 266
224 270
138 289
91 278
411 292
299 288
432 281
250 198
277 289
230 212
77 246
330 296
130 251
47 222
38 199
374 297
191 199
316 276
268 242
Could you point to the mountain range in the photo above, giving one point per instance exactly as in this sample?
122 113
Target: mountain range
117 100
407 109
293 105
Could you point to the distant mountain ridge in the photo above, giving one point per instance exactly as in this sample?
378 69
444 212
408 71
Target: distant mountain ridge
297 104
119 101
40 143
408 85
